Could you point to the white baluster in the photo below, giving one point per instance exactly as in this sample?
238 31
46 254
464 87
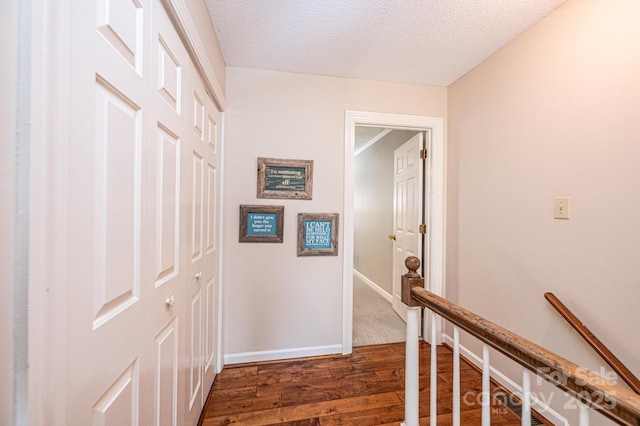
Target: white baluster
411 369
486 388
433 412
584 414
456 376
526 398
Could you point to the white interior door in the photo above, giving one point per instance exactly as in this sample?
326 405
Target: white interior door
407 212
200 216
167 126
108 353
142 215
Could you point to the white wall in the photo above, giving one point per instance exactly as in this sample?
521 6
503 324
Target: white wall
202 21
8 45
554 113
273 300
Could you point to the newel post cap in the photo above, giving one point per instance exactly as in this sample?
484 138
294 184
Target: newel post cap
412 263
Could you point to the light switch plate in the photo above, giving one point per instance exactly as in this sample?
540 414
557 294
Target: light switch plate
561 207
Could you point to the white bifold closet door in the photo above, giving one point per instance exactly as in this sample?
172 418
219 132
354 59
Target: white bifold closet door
142 201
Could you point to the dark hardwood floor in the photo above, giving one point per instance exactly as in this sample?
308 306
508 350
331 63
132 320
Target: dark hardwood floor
365 388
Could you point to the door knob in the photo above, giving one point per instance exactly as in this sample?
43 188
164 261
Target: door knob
198 276
170 301
392 237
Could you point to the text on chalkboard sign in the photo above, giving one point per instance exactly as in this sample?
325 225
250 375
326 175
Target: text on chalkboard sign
317 234
280 178
261 224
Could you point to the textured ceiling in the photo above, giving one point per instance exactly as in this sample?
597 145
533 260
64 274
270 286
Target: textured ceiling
432 42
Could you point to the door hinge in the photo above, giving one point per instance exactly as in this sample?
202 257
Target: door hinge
423 229
424 154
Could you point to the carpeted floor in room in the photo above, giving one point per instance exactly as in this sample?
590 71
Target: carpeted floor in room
374 320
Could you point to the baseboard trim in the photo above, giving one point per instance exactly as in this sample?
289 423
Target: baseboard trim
374 286
244 357
511 386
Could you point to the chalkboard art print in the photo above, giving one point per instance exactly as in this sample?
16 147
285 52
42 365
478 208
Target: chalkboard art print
261 224
318 234
285 179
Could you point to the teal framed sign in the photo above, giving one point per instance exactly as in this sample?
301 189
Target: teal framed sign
279 178
318 234
261 224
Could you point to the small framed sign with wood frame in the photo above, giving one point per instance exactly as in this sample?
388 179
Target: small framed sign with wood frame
278 178
318 234
261 224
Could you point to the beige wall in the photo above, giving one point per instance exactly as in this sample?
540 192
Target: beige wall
373 209
8 45
274 300
202 21
554 113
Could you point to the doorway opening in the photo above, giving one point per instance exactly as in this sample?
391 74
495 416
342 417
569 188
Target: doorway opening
388 178
383 125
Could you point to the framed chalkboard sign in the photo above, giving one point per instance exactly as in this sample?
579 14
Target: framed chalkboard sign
278 178
261 224
318 234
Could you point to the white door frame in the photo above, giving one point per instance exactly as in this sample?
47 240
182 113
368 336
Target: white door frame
436 222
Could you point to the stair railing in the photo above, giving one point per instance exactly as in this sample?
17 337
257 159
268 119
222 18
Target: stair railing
591 391
618 366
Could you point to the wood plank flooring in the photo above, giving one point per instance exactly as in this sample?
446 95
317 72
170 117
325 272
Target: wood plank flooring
365 388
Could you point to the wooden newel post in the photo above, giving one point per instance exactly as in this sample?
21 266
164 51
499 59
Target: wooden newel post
411 388
411 279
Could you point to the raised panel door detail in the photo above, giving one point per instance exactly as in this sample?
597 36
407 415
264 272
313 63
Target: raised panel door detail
120 23
410 214
116 204
212 178
411 157
166 395
197 206
195 348
198 116
170 73
167 207
119 405
210 332
212 134
399 206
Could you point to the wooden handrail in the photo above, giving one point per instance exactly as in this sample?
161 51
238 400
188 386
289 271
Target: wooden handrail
613 401
602 350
